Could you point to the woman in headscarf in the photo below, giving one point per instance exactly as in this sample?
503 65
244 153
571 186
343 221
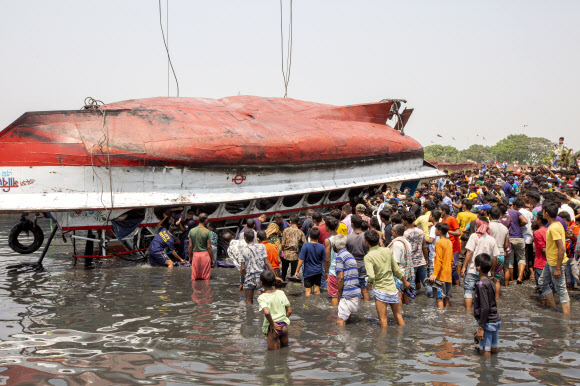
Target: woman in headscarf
272 232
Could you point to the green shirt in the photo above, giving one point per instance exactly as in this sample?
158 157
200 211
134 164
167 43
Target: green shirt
381 265
276 303
199 237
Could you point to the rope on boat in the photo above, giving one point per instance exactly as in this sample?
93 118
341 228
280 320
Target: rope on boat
286 69
95 104
92 104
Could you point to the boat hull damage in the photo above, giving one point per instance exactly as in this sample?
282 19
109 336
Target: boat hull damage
231 158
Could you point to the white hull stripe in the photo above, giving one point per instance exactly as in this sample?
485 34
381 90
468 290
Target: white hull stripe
65 188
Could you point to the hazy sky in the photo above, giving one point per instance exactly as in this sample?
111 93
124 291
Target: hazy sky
468 67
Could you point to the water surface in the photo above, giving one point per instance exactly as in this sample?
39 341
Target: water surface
126 324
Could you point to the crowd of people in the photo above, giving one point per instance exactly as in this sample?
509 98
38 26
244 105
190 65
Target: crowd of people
482 229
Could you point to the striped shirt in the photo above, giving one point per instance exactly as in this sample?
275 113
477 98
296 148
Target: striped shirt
346 263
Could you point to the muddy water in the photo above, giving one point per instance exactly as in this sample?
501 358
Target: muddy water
127 324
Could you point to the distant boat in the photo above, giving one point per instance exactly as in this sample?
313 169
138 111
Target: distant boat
232 158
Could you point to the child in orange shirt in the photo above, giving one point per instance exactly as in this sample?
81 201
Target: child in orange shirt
273 255
443 265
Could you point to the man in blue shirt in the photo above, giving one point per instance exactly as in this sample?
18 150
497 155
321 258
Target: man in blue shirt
162 240
312 255
447 199
282 224
517 255
508 187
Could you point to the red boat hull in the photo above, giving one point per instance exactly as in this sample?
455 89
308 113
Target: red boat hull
194 132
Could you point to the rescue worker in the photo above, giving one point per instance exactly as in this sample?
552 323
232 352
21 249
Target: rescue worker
163 240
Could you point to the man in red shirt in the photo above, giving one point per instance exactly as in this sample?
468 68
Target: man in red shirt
321 225
272 251
571 239
454 236
540 250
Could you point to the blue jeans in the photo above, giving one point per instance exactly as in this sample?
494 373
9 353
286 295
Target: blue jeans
421 274
489 340
454 274
537 274
362 277
555 164
568 269
469 283
559 284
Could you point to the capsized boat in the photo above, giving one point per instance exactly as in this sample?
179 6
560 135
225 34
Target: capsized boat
231 157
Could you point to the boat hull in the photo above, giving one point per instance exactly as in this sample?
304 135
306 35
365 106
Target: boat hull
66 188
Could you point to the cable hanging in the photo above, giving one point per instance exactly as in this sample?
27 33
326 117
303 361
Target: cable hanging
95 104
166 46
288 65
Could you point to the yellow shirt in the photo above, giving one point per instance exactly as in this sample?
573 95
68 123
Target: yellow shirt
342 229
465 218
423 223
555 232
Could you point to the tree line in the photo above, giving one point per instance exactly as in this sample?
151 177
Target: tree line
526 150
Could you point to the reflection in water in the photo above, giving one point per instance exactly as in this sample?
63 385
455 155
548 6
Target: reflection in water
127 324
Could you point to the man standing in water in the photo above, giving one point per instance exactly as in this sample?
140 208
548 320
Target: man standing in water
292 240
348 286
200 250
356 246
253 260
556 258
381 268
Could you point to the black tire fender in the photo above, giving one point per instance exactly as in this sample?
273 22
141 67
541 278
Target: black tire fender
25 226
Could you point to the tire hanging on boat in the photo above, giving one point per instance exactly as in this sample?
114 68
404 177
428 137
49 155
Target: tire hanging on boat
28 227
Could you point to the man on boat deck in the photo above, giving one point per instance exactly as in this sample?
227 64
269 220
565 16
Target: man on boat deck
163 239
200 250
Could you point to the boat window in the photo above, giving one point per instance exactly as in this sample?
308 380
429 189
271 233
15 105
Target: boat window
237 207
171 211
314 198
335 195
354 192
266 203
372 189
290 201
132 214
207 208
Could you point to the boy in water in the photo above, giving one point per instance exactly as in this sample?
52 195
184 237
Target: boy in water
381 266
485 307
312 255
272 252
276 308
443 265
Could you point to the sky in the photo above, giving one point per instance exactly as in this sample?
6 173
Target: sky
471 69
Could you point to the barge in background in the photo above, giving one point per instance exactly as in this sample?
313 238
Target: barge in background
230 158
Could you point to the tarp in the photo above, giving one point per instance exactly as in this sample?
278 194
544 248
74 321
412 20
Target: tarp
124 228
